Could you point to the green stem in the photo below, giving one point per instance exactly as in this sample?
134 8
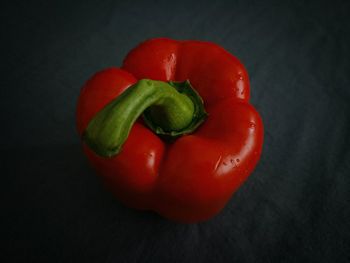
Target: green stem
169 109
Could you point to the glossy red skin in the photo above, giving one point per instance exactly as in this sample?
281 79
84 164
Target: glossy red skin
193 178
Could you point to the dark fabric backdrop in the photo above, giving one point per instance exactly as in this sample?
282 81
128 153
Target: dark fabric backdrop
293 208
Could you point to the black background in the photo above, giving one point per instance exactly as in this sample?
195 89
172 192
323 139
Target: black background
293 208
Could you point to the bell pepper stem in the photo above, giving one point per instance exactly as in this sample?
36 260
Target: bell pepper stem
171 109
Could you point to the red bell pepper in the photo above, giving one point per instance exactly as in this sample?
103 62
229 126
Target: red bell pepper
194 146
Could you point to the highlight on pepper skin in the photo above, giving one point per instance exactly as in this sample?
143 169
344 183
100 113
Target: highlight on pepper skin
172 129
